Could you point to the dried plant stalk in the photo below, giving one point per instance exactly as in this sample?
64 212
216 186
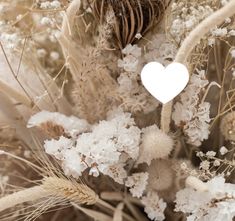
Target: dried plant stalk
94 87
132 16
71 190
27 195
189 43
15 119
51 187
15 94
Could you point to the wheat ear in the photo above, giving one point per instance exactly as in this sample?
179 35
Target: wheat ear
51 187
189 43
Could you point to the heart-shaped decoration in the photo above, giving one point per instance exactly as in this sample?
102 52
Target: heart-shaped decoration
164 83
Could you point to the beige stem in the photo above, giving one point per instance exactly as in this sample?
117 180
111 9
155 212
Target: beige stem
17 96
69 48
27 195
188 45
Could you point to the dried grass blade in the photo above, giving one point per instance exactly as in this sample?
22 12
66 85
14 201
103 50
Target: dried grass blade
118 212
94 214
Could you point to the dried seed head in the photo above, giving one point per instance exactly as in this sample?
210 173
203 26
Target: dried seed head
155 145
227 126
132 17
70 190
160 175
52 130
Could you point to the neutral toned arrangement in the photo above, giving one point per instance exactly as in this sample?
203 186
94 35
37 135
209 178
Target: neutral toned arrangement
82 139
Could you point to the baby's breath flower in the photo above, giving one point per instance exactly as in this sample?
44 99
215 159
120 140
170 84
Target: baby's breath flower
137 183
223 150
210 153
205 165
154 206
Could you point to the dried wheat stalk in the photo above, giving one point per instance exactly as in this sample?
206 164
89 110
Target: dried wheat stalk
51 187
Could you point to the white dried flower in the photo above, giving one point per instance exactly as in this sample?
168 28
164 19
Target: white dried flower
72 125
46 21
130 61
216 163
45 5
223 150
190 113
217 203
219 32
105 149
205 165
232 52
138 36
154 206
54 55
137 183
41 53
55 4
155 145
232 33
210 153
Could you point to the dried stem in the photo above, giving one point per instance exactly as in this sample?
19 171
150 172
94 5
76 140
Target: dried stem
188 45
27 195
51 187
15 94
69 50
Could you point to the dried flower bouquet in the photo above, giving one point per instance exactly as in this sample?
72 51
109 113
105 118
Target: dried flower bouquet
80 136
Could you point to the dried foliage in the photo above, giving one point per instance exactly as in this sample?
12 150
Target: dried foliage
131 17
81 138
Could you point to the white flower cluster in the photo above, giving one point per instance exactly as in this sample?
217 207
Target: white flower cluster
187 17
105 148
160 49
191 113
154 206
71 125
135 97
10 40
130 62
50 5
137 183
215 204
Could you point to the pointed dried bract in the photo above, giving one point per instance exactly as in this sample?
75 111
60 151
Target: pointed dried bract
131 16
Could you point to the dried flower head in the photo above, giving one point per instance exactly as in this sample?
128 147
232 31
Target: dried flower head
160 175
227 126
155 145
132 16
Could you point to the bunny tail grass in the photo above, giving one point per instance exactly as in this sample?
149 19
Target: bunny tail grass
188 45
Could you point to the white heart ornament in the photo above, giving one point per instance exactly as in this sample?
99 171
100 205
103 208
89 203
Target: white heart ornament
164 83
